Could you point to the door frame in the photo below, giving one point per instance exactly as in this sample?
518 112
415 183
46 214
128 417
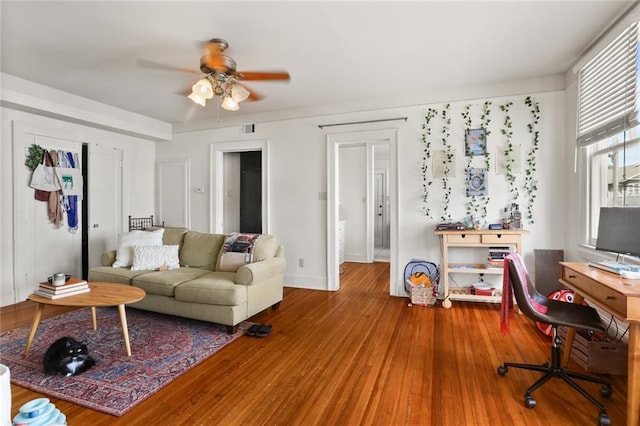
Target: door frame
216 179
370 138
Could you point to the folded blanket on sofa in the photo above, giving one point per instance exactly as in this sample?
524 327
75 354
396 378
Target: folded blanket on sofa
237 250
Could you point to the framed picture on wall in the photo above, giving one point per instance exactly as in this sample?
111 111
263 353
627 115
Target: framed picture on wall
475 141
477 183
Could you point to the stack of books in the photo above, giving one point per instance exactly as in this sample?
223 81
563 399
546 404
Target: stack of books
496 256
70 288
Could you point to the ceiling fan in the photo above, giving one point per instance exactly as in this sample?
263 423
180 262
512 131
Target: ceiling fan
221 78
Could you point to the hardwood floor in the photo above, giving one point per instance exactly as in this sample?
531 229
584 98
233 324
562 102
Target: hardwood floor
359 356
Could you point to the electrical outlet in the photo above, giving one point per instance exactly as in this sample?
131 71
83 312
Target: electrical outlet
301 262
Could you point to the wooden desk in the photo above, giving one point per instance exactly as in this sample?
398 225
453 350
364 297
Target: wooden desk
621 298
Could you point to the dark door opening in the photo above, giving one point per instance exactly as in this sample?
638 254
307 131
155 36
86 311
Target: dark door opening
85 212
251 192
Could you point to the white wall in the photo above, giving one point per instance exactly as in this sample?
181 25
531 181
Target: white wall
139 159
297 175
298 179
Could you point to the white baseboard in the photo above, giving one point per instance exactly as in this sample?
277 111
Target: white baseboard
310 282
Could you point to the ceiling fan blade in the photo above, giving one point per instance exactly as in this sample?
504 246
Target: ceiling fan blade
259 75
143 63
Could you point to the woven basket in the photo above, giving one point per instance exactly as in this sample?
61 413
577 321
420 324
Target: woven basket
422 296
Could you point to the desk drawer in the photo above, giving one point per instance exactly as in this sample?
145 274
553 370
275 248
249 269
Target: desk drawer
580 282
463 239
602 295
500 239
610 299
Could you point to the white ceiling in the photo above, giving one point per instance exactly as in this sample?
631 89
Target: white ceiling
341 56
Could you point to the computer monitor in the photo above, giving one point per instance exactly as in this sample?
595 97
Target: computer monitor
619 230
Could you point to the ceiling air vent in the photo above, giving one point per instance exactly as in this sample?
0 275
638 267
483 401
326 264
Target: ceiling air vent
247 129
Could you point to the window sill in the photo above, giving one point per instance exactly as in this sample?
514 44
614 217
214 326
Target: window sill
588 253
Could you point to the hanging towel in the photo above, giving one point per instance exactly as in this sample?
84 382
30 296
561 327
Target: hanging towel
72 201
507 307
53 206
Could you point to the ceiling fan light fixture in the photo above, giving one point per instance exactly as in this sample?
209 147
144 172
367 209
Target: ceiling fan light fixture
229 104
239 93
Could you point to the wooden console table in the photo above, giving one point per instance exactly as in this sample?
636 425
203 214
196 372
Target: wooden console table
469 239
621 298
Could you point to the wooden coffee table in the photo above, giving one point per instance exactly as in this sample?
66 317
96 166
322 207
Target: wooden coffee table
101 294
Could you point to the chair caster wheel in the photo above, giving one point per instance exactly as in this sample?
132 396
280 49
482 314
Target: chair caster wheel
529 402
502 370
606 391
604 420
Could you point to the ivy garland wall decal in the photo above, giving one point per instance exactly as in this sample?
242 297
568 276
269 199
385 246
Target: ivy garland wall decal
447 162
530 183
472 203
477 209
509 153
439 164
426 159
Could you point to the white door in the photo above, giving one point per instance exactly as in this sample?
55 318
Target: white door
105 200
380 210
173 184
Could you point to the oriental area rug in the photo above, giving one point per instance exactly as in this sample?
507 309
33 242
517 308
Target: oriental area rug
163 347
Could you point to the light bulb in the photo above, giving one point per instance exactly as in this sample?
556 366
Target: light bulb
203 88
229 104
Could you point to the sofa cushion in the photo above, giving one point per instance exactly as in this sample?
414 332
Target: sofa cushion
172 235
200 250
163 283
217 288
150 258
266 247
113 275
127 240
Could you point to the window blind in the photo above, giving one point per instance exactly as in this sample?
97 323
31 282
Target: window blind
608 90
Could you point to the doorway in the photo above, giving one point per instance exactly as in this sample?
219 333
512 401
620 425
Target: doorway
335 212
381 228
242 188
239 178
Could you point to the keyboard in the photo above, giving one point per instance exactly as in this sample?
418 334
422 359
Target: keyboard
615 267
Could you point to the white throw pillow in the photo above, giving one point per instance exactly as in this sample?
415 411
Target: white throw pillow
127 240
150 258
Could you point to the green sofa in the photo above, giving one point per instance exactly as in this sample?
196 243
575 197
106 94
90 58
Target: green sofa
197 289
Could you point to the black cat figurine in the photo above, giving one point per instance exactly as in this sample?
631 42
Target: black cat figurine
67 356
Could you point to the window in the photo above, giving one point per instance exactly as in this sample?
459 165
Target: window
609 129
614 171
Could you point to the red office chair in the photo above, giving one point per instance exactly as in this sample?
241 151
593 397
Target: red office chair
539 308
